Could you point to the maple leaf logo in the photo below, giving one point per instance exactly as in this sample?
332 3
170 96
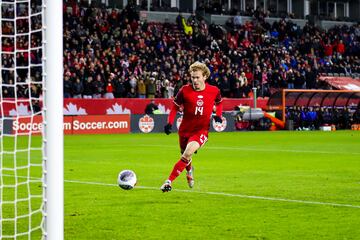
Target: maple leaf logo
72 109
22 110
163 109
117 109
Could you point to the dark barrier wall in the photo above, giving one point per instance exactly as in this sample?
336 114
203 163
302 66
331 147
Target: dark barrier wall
125 123
7 127
154 123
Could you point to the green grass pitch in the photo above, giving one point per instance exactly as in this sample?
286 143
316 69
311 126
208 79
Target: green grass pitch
320 169
249 185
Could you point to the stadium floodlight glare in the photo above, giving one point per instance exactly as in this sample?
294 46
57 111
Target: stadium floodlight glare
31 120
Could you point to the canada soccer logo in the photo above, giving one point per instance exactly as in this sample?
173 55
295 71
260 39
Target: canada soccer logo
200 102
219 127
146 124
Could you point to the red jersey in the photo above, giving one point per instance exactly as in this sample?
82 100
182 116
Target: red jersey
197 108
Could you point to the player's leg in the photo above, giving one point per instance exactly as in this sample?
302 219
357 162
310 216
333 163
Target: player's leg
192 147
189 171
166 187
184 161
201 139
190 176
190 168
178 168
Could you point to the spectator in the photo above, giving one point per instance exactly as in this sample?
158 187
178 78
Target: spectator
299 81
151 88
87 92
132 93
225 87
77 88
290 79
141 89
310 78
67 86
119 88
151 107
98 86
109 90
169 89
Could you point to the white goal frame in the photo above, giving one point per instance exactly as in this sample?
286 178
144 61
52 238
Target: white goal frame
53 136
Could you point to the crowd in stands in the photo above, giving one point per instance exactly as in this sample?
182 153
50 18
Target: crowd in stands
111 53
311 118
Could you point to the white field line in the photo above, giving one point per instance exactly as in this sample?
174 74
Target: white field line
253 149
228 195
216 194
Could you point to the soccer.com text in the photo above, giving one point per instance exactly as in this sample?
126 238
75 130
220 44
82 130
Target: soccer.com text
76 125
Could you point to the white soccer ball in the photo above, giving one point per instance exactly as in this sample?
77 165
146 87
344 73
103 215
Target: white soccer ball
127 179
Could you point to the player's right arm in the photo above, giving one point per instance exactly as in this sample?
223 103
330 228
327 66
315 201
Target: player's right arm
171 118
178 100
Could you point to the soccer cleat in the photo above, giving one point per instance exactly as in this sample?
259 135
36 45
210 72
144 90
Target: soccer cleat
166 187
190 177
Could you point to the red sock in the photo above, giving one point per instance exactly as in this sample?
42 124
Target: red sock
188 167
178 168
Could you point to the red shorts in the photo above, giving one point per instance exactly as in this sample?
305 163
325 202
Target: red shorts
200 138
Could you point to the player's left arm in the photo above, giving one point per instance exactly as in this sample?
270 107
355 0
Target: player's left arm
219 108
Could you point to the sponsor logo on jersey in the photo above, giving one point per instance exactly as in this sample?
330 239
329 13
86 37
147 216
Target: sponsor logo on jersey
200 96
146 124
219 127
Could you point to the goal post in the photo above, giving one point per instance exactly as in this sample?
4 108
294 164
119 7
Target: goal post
53 112
31 120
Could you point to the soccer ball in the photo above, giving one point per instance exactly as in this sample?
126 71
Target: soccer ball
127 179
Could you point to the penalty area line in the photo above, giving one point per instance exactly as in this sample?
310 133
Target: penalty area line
230 195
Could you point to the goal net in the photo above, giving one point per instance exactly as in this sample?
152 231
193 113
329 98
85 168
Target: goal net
27 114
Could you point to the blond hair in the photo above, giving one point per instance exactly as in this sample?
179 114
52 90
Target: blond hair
198 66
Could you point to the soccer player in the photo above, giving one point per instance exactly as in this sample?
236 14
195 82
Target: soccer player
196 101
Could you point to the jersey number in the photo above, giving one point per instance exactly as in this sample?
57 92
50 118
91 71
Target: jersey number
199 110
